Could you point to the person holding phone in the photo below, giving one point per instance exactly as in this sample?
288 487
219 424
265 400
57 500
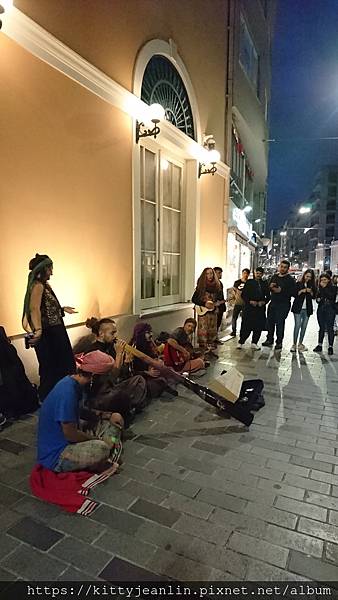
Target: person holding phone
302 308
282 288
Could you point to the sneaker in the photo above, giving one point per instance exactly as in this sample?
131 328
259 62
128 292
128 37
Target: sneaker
219 342
239 346
255 347
267 344
233 334
2 419
318 348
330 351
302 348
207 363
293 348
278 346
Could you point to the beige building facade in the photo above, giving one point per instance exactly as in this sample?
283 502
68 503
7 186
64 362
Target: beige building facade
128 225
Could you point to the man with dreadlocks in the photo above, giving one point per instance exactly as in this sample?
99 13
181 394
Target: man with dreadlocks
118 390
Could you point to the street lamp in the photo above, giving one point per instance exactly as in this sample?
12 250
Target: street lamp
304 210
258 220
209 157
283 233
155 113
247 208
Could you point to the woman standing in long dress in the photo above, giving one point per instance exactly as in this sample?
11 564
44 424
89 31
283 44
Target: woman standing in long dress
207 295
43 318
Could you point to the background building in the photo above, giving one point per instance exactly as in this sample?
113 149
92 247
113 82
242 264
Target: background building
309 236
324 214
249 77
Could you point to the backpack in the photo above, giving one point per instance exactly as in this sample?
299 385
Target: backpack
17 395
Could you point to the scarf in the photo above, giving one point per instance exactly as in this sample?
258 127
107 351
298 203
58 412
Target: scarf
26 316
95 362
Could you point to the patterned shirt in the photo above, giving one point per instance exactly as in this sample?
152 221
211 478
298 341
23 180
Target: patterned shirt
51 311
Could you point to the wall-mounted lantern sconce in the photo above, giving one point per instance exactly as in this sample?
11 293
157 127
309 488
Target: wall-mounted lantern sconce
5 5
155 115
209 157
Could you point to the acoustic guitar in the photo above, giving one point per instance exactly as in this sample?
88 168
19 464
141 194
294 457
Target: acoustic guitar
202 310
237 410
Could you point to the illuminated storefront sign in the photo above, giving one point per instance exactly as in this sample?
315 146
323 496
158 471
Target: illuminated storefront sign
239 220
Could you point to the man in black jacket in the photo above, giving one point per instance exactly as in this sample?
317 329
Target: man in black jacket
282 287
256 295
238 306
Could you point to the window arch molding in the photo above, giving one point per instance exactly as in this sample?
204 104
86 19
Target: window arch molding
169 51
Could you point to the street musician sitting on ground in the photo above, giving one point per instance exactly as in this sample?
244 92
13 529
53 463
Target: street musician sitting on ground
179 352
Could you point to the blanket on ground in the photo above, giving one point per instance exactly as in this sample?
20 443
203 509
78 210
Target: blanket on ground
68 489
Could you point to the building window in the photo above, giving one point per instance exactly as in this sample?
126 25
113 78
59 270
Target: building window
162 84
330 218
161 181
329 233
332 190
264 4
248 56
237 161
332 177
331 204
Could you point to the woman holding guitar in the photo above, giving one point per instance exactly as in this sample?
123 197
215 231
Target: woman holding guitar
207 297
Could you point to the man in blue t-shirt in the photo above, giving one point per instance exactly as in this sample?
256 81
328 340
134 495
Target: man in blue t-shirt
62 446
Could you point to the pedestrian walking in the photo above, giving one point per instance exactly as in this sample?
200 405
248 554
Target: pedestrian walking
326 312
282 287
255 295
302 308
238 306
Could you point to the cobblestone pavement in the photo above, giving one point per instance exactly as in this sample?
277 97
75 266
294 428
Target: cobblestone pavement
198 497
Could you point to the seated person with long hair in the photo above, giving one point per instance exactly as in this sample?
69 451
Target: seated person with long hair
118 390
142 340
179 353
62 446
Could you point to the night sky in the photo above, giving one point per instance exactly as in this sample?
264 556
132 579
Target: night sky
304 100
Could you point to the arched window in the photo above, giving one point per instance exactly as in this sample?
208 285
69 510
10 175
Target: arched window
163 84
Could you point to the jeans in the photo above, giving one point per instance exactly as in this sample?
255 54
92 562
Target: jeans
276 317
301 321
235 314
326 317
